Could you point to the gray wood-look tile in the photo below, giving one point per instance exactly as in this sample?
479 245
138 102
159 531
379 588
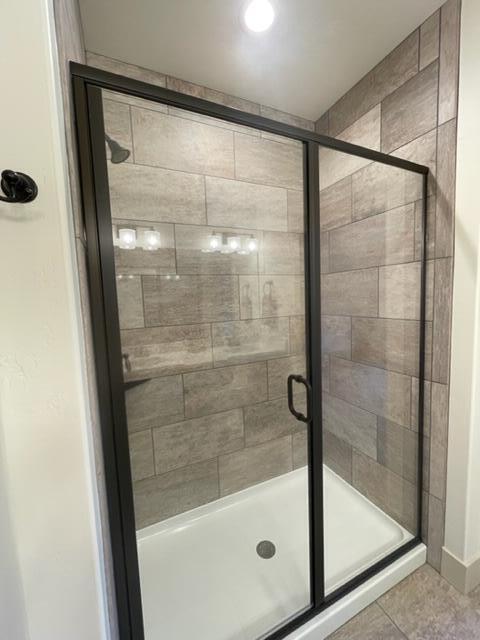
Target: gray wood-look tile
249 297
286 118
184 443
278 372
438 469
157 195
252 465
411 110
116 117
174 492
269 420
387 238
141 454
133 101
398 449
321 125
380 187
215 122
337 455
268 162
442 320
295 210
430 244
153 403
385 393
336 204
324 252
436 535
429 40
392 72
300 449
267 135
190 299
370 624
281 295
250 340
350 293
283 252
449 58
386 343
355 426
427 607
422 150
215 390
130 302
297 334
162 140
439 427
138 261
125 69
445 218
326 372
337 335
426 406
231 203
334 165
389 491
199 91
399 291
193 256
161 351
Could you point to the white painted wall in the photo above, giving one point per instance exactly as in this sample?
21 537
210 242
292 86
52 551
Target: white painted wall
462 532
50 561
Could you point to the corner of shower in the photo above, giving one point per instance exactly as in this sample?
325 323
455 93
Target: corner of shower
261 337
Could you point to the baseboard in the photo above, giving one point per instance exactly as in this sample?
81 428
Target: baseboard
462 576
340 612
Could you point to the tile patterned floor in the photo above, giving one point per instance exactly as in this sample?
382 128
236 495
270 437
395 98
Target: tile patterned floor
422 607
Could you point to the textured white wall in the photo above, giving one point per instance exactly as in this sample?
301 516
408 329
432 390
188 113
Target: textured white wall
462 532
49 548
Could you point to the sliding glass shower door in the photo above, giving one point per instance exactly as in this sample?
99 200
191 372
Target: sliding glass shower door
208 236
259 313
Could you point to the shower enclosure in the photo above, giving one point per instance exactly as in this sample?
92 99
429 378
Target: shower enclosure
259 300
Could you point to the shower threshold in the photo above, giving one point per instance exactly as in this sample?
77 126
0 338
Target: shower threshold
208 556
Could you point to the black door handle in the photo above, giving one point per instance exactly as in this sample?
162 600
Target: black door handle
300 379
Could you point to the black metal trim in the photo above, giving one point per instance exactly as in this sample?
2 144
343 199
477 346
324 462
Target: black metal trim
314 350
421 354
87 84
295 377
108 363
140 89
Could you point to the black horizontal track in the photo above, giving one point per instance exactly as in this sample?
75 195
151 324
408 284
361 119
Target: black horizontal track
114 82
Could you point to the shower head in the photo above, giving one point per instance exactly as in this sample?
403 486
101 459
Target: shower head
118 153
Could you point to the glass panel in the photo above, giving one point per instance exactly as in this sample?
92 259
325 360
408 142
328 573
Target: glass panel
209 242
371 223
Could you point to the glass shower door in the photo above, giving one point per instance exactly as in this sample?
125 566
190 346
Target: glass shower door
372 236
208 235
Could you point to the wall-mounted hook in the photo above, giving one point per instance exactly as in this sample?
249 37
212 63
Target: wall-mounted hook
17 187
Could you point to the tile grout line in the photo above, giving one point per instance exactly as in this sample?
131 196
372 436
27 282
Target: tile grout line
391 619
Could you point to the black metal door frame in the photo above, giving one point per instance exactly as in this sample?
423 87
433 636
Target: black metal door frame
87 87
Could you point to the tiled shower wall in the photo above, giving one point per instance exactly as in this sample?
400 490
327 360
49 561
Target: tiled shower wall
208 338
370 291
406 106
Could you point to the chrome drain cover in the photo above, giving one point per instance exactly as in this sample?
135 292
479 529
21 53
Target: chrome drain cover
266 549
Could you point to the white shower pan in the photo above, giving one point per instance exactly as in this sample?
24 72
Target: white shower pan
201 576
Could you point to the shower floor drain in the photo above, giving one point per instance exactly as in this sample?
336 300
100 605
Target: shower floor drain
266 549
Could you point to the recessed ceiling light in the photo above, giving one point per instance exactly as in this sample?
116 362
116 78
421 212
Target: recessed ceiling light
259 15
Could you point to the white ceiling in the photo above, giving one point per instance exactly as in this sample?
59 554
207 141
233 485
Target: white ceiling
314 52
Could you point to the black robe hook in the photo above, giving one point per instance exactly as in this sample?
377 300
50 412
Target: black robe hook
17 187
